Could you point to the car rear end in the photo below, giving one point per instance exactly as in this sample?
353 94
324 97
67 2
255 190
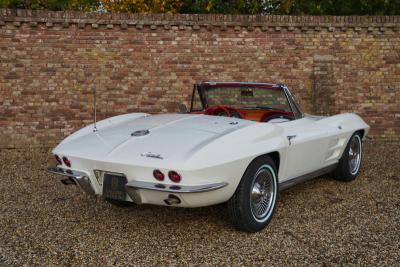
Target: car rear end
149 184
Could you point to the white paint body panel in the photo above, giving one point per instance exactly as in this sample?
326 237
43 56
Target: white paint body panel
205 149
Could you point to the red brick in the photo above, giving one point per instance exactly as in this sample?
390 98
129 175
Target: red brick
48 66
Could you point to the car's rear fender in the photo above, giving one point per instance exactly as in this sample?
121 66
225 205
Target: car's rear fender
109 122
230 155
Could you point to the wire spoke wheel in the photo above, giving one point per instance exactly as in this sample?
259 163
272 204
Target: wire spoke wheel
349 164
355 154
263 193
253 204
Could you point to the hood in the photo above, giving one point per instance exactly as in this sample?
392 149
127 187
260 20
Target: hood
167 137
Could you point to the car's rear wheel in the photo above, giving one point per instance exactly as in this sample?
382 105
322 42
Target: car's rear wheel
254 201
120 203
350 162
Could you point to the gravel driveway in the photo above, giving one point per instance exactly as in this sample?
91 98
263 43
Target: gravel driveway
321 223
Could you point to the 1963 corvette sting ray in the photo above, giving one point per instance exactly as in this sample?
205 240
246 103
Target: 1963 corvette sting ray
239 143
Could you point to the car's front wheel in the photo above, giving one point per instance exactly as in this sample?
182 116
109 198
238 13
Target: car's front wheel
350 162
254 201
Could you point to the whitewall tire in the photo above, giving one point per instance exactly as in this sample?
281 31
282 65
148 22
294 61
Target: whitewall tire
254 202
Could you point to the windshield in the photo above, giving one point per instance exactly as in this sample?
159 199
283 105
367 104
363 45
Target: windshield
247 97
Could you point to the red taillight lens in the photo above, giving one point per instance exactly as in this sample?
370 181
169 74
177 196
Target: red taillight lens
174 176
158 175
58 159
66 161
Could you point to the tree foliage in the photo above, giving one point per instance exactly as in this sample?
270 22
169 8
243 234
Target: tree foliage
293 7
84 5
223 7
142 6
339 7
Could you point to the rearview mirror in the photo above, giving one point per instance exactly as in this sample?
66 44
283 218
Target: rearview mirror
182 108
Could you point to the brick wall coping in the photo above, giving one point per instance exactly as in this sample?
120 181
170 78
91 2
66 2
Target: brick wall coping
66 18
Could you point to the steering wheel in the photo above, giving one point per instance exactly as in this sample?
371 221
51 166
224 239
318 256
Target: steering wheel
224 111
278 116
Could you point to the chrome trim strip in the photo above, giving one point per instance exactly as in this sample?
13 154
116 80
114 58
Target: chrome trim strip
81 179
173 188
291 182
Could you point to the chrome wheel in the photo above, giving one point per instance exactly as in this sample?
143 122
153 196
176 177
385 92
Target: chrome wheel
263 193
355 154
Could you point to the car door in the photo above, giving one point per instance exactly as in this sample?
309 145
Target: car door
308 144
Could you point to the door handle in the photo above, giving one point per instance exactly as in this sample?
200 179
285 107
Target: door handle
289 138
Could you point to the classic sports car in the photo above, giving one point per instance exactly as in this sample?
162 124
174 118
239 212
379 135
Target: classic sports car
239 143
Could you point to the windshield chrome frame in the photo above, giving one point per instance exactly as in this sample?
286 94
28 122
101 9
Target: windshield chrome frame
289 97
292 102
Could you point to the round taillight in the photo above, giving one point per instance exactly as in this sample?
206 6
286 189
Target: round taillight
174 176
66 161
58 159
158 175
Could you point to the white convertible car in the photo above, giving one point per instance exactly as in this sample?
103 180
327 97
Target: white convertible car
239 143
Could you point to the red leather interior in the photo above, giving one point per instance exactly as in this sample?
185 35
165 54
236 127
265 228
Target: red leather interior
247 114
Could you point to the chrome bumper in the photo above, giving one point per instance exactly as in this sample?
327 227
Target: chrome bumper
80 179
132 188
174 188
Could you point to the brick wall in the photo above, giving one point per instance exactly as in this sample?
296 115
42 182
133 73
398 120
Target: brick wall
50 60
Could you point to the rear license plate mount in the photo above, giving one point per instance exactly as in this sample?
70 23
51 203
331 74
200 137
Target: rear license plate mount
114 186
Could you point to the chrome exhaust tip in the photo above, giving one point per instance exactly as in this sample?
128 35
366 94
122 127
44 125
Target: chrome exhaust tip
172 200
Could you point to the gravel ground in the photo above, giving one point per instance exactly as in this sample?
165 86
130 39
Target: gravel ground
320 223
